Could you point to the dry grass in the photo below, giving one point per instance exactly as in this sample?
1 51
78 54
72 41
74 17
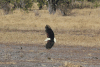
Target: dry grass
69 64
7 62
65 27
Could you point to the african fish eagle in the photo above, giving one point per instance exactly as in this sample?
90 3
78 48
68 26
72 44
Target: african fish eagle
50 37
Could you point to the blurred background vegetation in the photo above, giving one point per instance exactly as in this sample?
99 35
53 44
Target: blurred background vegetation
65 6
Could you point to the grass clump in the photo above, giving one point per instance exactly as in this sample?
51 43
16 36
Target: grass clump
69 64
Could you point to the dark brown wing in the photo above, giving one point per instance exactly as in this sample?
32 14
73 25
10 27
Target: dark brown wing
49 44
49 31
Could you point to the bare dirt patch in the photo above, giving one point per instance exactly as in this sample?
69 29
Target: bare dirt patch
35 55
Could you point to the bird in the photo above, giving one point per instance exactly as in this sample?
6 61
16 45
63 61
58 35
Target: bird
50 37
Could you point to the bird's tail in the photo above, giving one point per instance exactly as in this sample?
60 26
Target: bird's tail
47 39
50 39
55 40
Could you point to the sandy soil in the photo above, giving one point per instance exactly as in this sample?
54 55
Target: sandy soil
29 55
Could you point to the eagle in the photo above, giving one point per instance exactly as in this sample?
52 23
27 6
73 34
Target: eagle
50 37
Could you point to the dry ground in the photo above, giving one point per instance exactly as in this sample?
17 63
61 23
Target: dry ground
80 28
35 55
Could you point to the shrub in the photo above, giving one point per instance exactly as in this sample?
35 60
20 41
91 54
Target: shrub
41 3
28 4
23 4
96 4
5 5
